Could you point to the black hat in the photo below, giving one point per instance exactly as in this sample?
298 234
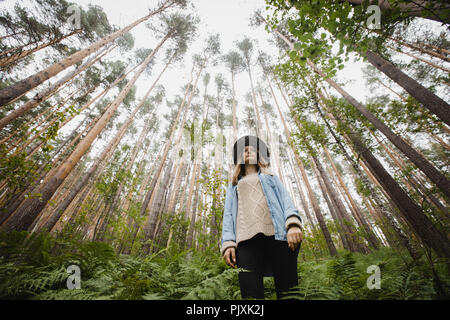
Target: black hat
257 143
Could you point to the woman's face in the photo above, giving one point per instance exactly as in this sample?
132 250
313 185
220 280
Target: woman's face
250 155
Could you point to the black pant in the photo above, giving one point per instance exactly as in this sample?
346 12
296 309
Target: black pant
254 253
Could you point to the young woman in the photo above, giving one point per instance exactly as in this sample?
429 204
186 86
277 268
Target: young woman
261 229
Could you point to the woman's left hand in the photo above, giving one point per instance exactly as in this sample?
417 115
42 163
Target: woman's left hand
294 237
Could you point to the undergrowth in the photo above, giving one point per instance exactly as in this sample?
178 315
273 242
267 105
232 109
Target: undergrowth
34 266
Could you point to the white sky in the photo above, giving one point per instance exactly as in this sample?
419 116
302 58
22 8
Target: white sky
228 18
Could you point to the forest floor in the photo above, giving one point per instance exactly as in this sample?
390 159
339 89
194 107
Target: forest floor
36 267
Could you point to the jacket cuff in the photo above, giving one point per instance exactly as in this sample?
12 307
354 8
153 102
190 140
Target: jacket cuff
226 245
293 220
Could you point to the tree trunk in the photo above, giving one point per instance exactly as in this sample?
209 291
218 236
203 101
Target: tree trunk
411 181
423 50
176 190
170 140
437 177
275 155
134 225
12 204
150 226
196 168
235 129
48 92
344 219
87 105
346 243
11 35
181 167
115 201
190 235
434 65
83 181
168 144
357 169
300 191
428 99
439 140
410 210
315 205
30 139
181 197
259 132
380 204
30 208
370 235
125 204
316 209
12 59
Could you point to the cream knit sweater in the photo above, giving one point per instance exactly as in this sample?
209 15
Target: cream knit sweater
253 212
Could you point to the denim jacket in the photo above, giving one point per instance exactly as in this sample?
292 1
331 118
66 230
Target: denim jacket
279 201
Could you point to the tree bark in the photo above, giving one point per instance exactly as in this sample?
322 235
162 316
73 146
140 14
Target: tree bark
423 50
344 219
333 212
48 92
235 129
148 228
315 205
168 143
190 235
434 65
370 235
277 160
258 117
410 210
300 191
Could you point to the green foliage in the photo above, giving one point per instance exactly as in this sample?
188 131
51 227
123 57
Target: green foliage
345 277
16 169
216 287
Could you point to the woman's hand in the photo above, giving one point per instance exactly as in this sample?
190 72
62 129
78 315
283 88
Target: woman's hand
294 237
230 256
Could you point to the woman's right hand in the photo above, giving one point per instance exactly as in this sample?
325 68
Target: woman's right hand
230 257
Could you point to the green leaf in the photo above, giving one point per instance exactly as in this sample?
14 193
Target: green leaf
293 55
302 61
298 46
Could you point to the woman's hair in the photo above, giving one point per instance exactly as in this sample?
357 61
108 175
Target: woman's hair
239 169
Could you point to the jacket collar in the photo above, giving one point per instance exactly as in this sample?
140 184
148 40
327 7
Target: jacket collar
265 171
